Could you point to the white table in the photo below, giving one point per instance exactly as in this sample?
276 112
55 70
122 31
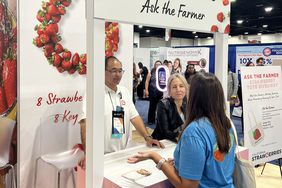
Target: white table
115 165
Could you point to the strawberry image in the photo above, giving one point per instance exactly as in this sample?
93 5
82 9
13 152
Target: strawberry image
44 38
39 29
256 134
82 70
60 69
56 60
2 11
56 19
225 2
52 9
40 16
75 59
66 3
83 59
62 9
220 17
66 65
67 55
214 28
56 38
9 75
48 49
51 29
58 48
71 71
3 102
227 29
37 42
1 44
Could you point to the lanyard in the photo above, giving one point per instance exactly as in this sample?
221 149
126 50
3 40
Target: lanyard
111 101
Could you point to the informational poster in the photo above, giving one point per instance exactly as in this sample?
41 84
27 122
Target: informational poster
262 98
248 54
196 56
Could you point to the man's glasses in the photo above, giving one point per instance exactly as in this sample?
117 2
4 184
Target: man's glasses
116 71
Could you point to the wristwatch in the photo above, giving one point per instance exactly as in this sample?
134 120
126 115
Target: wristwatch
160 163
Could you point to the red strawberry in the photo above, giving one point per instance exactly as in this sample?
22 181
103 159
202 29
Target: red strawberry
39 29
37 42
115 48
108 54
52 29
3 102
48 49
214 28
47 17
62 9
53 2
71 71
220 17
114 23
58 48
66 3
9 75
56 19
52 10
82 70
225 2
57 59
56 38
60 69
44 38
67 54
40 16
66 64
83 58
1 44
14 34
75 59
227 29
2 11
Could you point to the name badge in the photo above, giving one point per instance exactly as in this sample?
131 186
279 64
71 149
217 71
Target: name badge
118 124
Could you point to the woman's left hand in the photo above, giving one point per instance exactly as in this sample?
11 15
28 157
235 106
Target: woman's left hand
141 156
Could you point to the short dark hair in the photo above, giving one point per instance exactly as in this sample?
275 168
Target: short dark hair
248 64
110 58
258 59
140 65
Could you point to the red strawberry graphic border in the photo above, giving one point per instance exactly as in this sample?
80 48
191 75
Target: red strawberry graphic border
49 39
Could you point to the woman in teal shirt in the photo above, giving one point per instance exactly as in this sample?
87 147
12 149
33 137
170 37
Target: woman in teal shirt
204 156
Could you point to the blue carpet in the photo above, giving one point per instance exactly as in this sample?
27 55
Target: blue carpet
142 107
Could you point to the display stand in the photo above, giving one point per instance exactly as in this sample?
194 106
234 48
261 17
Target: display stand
135 12
279 167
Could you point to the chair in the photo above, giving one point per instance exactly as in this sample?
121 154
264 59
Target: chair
56 146
6 132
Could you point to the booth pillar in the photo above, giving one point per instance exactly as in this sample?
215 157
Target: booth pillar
221 60
95 84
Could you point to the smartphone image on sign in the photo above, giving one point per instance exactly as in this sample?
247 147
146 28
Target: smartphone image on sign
162 74
256 133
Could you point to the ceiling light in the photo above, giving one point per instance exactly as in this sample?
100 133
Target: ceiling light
194 32
208 37
239 21
140 26
264 26
148 31
196 36
246 33
268 9
259 33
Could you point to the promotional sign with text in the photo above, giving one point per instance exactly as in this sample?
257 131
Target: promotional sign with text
248 54
262 98
200 15
199 57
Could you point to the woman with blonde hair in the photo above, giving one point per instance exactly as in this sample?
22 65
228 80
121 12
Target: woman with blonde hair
171 111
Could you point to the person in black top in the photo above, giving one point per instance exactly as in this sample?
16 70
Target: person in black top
143 72
171 111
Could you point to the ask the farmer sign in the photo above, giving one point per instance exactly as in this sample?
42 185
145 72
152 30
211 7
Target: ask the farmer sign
200 15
